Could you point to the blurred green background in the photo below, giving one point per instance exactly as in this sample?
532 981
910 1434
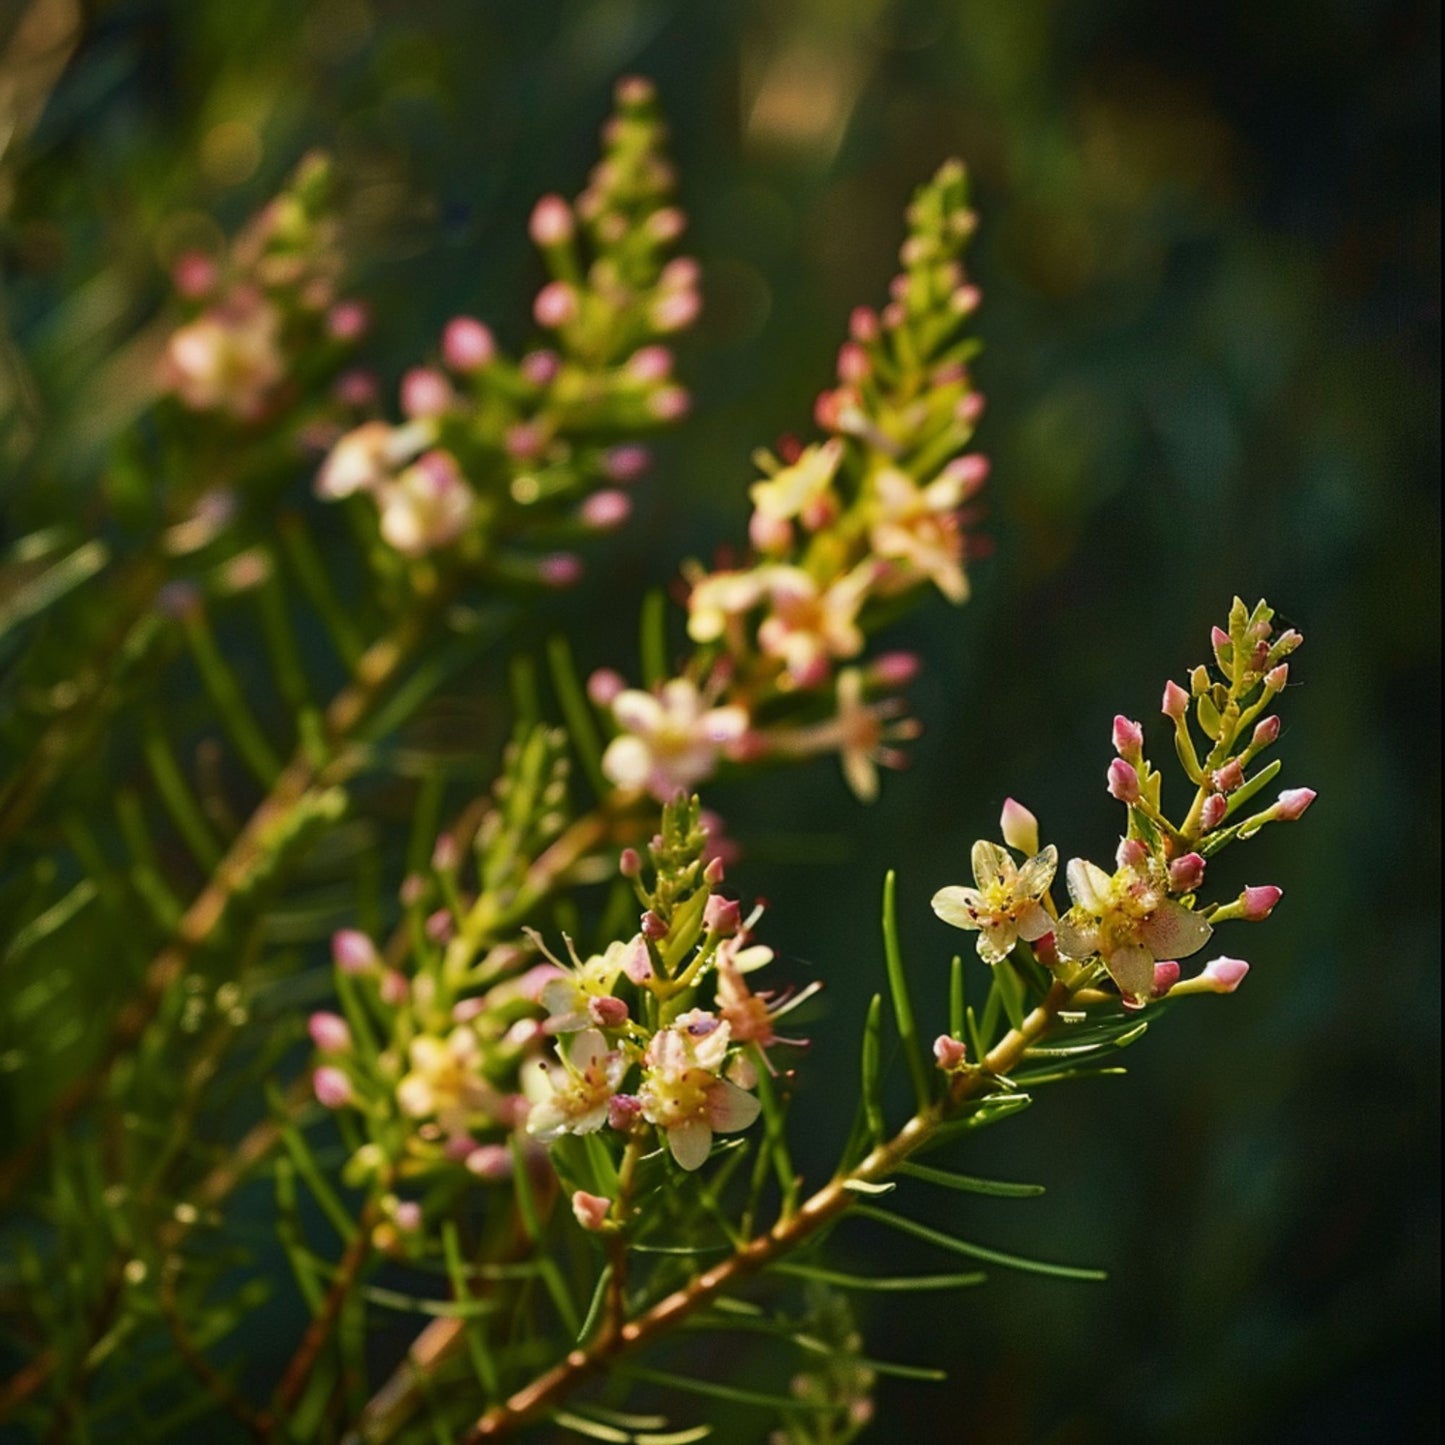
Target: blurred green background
1209 254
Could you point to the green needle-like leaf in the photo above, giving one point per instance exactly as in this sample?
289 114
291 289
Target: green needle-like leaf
898 988
969 1184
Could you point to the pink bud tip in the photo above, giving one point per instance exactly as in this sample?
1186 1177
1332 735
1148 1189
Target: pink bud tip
1176 701
653 927
669 404
551 222
970 472
1219 637
1166 975
965 300
1276 677
1265 732
622 1111
407 1215
329 1033
1123 781
1211 815
556 304
1186 874
607 1012
895 669
560 570
440 926
445 855
1131 853
591 1210
353 952
540 368
714 873
722 915
770 534
1293 802
626 463
630 863
1128 739
333 1088
193 274
863 324
970 408
1230 776
394 988
853 362
490 1161
949 1052
1259 901
1019 827
357 389
606 510
650 364
348 320
467 345
1224 975
425 393
412 890
604 685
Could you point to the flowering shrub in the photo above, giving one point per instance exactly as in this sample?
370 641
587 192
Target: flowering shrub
542 1095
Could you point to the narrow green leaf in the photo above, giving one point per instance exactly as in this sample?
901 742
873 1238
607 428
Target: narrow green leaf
230 700
872 1098
1250 787
581 724
594 1307
654 638
180 803
956 1001
311 572
713 1390
550 1274
482 1363
52 584
970 1184
974 1251
1010 988
882 1284
898 987
306 1167
51 920
869 1186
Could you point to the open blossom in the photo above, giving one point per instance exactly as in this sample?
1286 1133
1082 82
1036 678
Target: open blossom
682 1092
719 599
428 506
808 624
671 740
227 359
570 1095
1004 906
368 457
919 527
750 1016
1129 920
569 996
802 489
445 1081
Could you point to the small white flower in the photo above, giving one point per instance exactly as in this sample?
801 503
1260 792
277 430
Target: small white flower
570 1096
799 489
1004 906
919 527
427 507
669 741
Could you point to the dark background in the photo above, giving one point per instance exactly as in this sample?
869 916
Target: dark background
1209 252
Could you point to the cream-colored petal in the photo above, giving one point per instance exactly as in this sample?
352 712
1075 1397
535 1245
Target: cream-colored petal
995 942
1037 873
1089 885
1174 931
627 761
1132 968
1033 921
958 905
690 1143
637 711
1077 938
730 1108
992 864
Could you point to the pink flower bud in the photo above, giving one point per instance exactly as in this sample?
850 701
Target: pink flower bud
193 274
524 441
1259 899
425 393
666 225
606 510
1230 776
1131 853
714 873
626 463
629 864
650 364
853 363
556 304
490 1161
949 1053
540 368
1123 781
407 1215
722 915
1223 975
675 310
895 669
467 345
607 1012
970 408
653 927
604 685
348 320
394 988
333 1088
965 300
356 388
669 404
1176 701
551 223
1276 677
440 926
560 570
770 534
353 952
1166 975
1128 739
444 855
590 1210
1186 874
1211 815
1266 732
622 1111
329 1033
863 324
969 472
412 890
1292 804
1019 827
681 274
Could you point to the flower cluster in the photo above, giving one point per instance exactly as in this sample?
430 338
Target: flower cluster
265 318
491 445
640 1045
840 531
1136 922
